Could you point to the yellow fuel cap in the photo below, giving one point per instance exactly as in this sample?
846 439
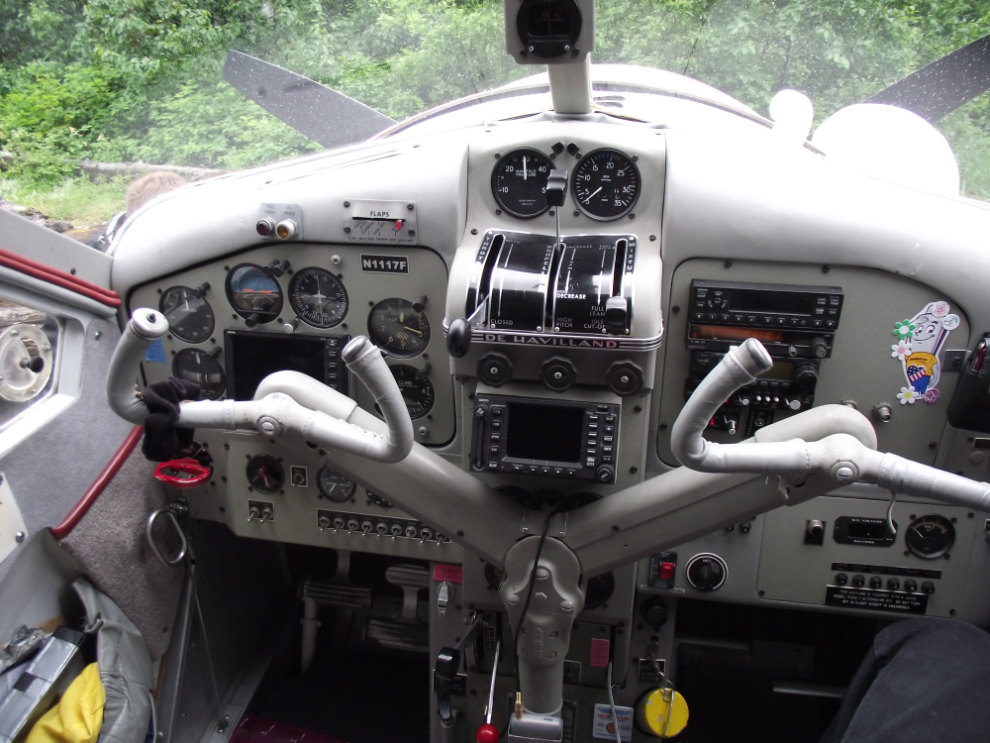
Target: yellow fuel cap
662 712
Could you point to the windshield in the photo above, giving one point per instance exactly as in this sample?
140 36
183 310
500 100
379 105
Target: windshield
89 88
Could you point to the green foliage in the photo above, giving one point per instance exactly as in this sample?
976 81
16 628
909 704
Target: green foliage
141 79
75 200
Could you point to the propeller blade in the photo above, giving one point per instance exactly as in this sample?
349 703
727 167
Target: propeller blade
330 118
943 86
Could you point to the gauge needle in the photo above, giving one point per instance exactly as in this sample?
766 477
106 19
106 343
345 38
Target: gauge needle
524 168
186 305
412 330
591 195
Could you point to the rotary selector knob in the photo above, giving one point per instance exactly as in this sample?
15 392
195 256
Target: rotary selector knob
558 373
819 347
605 473
706 572
495 369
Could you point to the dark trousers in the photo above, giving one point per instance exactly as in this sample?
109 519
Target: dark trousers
923 681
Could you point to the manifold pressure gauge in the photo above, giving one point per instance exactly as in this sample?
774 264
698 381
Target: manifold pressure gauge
519 183
318 297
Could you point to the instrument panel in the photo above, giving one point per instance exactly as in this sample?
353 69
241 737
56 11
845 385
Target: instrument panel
294 306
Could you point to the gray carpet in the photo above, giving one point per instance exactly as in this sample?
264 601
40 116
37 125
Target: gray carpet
109 542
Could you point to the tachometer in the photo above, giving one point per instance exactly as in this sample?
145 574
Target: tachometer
190 317
930 536
400 329
519 183
318 297
254 293
606 184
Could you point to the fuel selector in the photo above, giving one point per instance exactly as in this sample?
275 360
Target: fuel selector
706 572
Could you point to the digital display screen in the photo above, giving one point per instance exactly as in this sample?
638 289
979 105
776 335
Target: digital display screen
548 433
779 370
253 356
867 529
761 301
728 333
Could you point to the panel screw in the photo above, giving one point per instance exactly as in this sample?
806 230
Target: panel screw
474 231
347 203
577 213
728 264
826 268
410 207
412 233
347 230
19 537
98 334
675 309
653 238
932 445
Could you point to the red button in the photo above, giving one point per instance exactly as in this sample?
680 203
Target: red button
667 570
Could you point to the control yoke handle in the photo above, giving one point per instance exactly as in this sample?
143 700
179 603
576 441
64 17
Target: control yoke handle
835 460
277 411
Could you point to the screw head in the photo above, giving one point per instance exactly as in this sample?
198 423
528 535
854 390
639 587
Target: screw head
20 537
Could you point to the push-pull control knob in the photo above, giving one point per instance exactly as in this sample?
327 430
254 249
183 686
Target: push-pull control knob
706 572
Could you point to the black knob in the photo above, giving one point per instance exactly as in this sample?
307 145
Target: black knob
893 584
558 373
819 347
806 376
910 585
253 319
200 291
706 572
928 587
624 378
605 473
616 315
858 581
495 369
841 579
654 612
876 582
35 364
459 338
745 527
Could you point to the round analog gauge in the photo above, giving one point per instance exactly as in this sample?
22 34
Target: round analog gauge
416 389
190 317
201 367
265 474
606 184
930 536
253 293
334 485
400 329
318 297
519 183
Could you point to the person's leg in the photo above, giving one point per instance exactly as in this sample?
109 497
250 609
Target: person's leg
923 680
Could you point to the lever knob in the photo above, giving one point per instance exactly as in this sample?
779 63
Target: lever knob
459 338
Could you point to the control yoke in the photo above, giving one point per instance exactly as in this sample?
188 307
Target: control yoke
275 409
838 458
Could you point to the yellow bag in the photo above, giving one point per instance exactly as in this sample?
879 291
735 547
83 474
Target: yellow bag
78 716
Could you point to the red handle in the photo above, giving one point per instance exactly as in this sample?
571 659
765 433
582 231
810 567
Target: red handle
182 473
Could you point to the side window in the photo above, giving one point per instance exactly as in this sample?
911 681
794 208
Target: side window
29 344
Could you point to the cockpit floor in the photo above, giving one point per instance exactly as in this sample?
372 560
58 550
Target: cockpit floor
357 697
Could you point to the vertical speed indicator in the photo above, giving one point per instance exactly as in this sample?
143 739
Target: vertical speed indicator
606 185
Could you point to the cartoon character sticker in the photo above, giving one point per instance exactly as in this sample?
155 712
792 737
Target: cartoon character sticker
919 342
